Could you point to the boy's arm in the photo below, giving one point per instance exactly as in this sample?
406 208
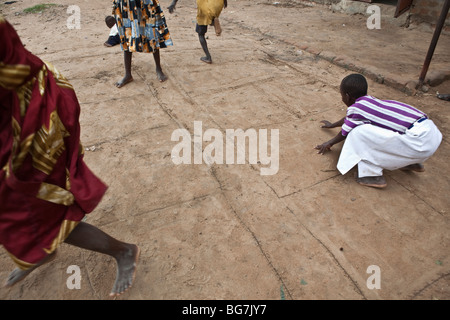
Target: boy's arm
172 6
326 146
329 125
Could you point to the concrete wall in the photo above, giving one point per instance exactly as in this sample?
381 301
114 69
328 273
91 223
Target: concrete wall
360 7
427 11
422 11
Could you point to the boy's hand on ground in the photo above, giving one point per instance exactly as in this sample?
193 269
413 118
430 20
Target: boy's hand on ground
326 124
171 8
324 147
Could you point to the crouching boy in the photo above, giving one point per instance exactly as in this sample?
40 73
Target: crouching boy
380 134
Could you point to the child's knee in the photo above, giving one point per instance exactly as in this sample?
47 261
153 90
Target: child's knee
201 30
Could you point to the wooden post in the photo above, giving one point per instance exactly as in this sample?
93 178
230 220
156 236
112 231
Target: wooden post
437 33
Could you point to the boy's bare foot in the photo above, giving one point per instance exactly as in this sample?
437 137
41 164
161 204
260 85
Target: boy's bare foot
161 76
106 44
124 81
18 274
375 182
417 167
126 270
206 60
217 27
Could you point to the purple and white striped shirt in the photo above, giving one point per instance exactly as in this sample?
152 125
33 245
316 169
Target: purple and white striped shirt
388 114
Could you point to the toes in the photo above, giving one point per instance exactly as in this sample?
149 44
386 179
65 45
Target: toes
119 292
121 83
121 288
162 77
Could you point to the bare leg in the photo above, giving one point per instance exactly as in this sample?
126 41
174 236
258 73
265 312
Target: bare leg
127 62
161 76
89 237
217 27
202 39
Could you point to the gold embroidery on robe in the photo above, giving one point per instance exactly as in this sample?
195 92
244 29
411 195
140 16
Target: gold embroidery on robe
23 146
61 81
66 228
24 95
68 185
48 144
20 263
41 77
55 194
12 76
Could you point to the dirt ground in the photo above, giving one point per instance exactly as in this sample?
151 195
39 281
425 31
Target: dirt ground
224 231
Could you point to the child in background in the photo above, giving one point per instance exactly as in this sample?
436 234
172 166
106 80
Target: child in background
208 12
142 28
114 38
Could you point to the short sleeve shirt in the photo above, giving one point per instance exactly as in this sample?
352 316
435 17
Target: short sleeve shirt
387 114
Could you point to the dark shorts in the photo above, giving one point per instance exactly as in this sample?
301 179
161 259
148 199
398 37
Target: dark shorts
201 29
113 40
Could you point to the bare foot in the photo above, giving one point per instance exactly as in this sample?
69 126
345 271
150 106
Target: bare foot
106 44
18 274
217 27
126 270
375 182
161 76
124 81
206 60
417 167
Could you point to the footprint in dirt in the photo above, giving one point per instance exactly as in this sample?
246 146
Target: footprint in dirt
103 76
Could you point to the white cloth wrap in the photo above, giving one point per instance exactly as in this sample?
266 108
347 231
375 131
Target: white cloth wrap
374 148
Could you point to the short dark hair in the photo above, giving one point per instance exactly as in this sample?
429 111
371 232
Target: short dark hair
355 85
110 21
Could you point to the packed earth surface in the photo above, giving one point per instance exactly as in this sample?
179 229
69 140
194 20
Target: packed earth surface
226 230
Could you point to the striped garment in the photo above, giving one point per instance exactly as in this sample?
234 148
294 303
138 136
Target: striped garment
387 114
